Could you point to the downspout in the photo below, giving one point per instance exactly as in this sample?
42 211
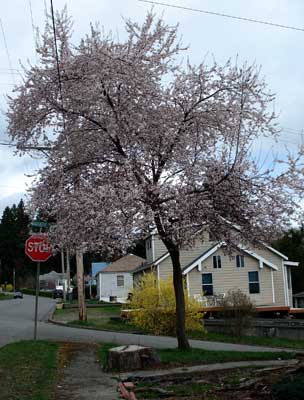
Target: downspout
153 248
272 285
284 282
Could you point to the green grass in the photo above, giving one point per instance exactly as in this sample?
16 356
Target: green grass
4 296
106 324
251 340
174 357
99 318
96 312
103 351
28 370
200 356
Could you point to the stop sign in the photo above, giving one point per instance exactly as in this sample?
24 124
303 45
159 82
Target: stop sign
38 248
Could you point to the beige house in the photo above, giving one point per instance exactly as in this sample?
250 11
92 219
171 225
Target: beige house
210 271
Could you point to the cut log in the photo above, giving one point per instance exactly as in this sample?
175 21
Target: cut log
131 358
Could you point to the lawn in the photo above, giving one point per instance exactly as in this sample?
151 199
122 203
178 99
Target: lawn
103 317
251 340
175 358
107 318
4 296
28 370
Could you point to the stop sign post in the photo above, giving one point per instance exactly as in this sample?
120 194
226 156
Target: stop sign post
38 249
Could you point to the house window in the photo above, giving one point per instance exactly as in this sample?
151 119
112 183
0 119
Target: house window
217 262
120 281
207 284
240 262
149 243
254 283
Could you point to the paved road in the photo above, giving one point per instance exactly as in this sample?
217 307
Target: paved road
17 323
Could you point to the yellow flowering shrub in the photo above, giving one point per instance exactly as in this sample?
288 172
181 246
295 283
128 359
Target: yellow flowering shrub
153 307
9 287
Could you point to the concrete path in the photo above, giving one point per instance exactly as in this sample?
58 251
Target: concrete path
82 377
17 323
207 368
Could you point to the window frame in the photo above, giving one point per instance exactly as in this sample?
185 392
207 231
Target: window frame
207 284
254 282
240 261
217 262
117 280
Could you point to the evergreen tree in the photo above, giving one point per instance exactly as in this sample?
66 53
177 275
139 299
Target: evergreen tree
292 245
14 230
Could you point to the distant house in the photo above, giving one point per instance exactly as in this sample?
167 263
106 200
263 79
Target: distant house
97 267
52 280
210 272
116 280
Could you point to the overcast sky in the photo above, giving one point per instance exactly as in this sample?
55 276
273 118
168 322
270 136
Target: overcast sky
280 52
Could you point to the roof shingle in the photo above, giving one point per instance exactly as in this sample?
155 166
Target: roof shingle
128 263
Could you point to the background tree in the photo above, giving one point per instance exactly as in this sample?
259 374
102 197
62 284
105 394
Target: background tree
14 230
292 245
149 143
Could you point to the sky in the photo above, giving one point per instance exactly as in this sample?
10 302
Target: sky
279 52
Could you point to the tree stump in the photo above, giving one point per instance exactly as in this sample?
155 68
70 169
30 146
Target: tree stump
132 357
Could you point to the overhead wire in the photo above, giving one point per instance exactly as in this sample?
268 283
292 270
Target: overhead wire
7 50
218 14
33 27
56 53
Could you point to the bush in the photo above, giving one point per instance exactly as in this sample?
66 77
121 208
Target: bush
9 287
153 307
33 292
238 310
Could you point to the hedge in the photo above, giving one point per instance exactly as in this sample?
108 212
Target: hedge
33 293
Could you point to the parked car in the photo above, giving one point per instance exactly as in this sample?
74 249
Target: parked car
18 295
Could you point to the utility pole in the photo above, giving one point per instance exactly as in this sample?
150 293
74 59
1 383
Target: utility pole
63 276
80 286
14 279
68 272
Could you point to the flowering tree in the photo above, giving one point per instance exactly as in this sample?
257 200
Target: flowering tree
141 140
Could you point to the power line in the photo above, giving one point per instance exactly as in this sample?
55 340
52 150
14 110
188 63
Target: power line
56 53
7 51
223 15
33 26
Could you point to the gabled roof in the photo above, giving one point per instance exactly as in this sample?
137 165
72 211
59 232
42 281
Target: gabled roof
128 263
197 262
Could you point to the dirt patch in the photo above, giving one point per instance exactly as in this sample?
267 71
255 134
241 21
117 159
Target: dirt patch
236 384
80 376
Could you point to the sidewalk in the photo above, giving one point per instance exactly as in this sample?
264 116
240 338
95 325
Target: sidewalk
81 376
60 331
206 368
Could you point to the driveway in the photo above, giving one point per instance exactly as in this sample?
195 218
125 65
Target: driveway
17 323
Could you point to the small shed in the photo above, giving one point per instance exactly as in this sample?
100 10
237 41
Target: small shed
115 282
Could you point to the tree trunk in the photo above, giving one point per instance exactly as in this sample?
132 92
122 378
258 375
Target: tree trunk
182 340
80 286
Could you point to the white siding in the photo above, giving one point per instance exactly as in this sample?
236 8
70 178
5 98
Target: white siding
108 285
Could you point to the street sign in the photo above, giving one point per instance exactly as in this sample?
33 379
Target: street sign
38 248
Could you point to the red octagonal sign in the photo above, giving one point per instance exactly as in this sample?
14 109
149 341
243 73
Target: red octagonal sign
38 248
